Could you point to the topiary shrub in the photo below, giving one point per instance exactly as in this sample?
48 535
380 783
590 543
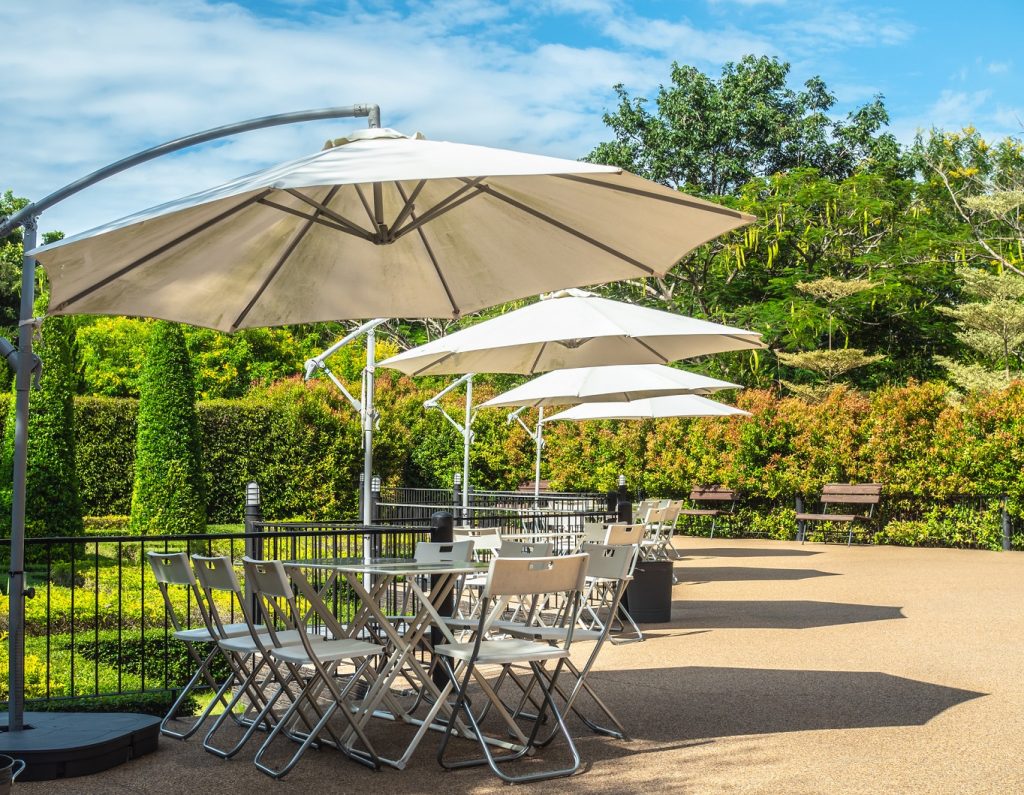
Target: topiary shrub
52 505
168 493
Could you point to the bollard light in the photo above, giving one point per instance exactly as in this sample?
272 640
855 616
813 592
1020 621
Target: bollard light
622 480
458 478
252 494
375 483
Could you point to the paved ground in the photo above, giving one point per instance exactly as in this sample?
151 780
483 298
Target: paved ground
786 669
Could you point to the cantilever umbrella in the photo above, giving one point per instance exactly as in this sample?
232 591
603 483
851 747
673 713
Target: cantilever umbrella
380 225
623 382
650 408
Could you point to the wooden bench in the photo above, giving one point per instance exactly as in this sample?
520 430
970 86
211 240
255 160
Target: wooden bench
866 495
705 495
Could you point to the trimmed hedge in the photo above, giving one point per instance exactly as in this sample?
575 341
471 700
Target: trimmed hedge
168 493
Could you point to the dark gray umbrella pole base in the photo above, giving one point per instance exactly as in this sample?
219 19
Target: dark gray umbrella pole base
68 744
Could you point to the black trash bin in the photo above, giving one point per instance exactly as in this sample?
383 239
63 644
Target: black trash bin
649 596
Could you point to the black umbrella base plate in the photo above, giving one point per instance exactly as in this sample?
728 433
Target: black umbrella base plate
69 744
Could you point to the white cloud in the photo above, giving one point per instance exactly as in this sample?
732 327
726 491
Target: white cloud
92 88
684 42
998 68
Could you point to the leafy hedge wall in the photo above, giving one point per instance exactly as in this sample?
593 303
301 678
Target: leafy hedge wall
301 443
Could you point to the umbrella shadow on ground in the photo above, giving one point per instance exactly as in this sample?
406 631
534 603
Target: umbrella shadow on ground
731 552
783 614
691 703
701 574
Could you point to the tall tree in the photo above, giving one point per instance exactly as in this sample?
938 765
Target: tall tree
169 493
714 135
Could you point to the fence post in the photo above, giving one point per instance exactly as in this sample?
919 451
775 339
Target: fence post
1005 516
252 515
624 507
442 528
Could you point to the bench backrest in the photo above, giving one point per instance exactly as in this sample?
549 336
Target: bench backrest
713 494
866 494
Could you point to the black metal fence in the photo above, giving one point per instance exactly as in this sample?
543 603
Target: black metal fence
97 624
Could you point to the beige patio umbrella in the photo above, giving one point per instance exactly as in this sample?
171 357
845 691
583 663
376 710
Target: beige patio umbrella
615 383
380 225
650 408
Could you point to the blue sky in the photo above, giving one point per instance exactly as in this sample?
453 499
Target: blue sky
87 83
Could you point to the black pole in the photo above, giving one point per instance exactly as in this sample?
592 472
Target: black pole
252 516
624 508
442 529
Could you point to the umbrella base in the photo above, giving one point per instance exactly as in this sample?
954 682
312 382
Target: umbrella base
68 744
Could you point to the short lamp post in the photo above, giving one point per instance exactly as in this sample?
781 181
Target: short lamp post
625 504
457 490
253 516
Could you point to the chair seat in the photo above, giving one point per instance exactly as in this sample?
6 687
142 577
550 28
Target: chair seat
201 635
502 651
246 645
827 517
546 633
327 651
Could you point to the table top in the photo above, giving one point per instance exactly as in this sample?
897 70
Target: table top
389 566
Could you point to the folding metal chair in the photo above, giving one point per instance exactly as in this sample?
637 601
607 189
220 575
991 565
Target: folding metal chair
173 569
313 669
252 670
538 578
608 573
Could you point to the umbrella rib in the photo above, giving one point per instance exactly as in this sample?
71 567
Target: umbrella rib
366 204
296 239
351 226
407 208
354 230
533 367
430 253
160 250
378 213
711 208
443 206
565 228
640 342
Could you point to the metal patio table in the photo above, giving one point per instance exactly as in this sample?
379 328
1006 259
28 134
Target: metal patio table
380 575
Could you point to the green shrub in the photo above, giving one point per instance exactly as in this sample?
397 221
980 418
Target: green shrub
105 448
52 505
156 703
167 496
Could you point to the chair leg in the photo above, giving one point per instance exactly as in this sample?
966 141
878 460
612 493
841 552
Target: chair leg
202 672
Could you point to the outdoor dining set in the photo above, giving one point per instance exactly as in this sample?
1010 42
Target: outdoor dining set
474 638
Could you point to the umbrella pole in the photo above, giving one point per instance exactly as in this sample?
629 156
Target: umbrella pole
16 586
538 437
467 440
368 376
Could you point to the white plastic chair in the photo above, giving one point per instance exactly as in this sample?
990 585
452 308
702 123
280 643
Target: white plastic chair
313 669
172 569
538 578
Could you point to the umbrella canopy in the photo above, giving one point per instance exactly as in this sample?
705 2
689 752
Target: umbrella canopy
381 224
621 382
650 408
572 328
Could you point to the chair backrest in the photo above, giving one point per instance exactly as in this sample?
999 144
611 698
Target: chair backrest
654 516
171 568
267 578
486 541
620 534
521 549
532 576
443 551
218 574
610 563
593 533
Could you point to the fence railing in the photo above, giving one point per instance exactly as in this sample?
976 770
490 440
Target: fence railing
97 624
